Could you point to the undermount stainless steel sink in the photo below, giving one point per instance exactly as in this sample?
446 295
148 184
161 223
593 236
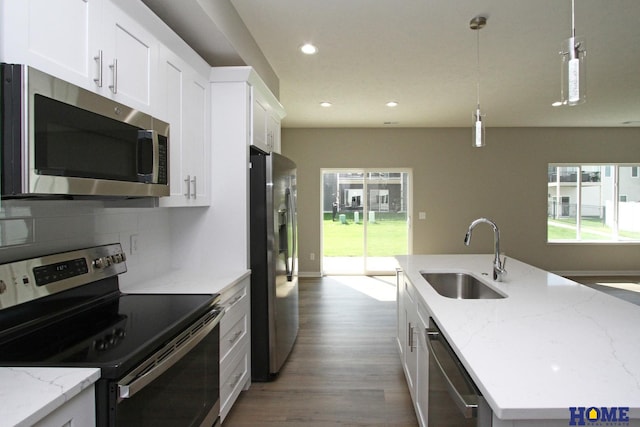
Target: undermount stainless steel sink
460 286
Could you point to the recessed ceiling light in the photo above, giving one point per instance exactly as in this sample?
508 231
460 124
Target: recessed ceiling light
308 49
325 104
392 104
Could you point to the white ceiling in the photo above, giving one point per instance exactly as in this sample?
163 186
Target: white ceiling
422 54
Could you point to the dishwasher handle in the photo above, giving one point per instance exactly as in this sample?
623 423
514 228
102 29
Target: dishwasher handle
466 403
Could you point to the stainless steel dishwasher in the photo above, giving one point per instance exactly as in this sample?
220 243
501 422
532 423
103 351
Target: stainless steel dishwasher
454 400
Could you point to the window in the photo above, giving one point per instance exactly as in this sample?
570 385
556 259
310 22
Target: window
593 203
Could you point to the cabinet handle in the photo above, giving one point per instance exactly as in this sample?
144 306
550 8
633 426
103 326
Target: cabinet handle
194 187
98 59
235 336
188 182
235 380
412 340
114 76
235 300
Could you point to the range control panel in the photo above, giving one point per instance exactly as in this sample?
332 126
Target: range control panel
26 280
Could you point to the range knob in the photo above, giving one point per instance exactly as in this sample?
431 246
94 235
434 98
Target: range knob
103 262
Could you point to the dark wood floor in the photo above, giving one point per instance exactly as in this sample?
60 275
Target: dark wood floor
343 371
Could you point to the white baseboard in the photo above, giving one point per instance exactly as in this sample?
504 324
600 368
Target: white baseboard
309 274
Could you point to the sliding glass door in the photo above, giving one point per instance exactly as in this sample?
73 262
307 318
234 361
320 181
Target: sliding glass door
365 220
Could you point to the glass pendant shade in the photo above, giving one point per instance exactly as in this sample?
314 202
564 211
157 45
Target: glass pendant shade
573 88
478 129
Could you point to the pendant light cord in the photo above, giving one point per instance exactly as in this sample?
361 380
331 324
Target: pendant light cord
478 67
573 18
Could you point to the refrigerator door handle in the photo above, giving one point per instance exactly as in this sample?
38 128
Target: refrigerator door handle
290 243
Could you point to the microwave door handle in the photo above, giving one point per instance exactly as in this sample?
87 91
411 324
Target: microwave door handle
128 388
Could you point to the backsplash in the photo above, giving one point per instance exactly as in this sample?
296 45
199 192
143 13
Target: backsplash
30 228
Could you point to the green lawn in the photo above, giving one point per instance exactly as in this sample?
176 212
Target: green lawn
386 237
590 230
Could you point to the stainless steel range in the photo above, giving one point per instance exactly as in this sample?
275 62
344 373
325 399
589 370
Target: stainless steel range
158 354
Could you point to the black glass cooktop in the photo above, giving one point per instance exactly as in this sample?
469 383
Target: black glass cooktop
113 335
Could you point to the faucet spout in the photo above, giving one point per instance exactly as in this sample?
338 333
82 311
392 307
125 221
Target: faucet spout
498 265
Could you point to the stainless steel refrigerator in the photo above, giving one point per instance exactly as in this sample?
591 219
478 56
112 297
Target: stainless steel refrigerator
274 263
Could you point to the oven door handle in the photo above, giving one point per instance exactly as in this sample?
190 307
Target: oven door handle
166 357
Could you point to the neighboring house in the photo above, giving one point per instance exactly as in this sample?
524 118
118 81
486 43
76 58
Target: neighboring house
603 192
386 191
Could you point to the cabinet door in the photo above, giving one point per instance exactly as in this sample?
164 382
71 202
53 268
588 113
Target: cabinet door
56 37
410 350
187 111
401 337
259 120
130 57
273 133
422 370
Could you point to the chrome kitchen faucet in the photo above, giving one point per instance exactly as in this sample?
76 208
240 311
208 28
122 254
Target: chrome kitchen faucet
498 265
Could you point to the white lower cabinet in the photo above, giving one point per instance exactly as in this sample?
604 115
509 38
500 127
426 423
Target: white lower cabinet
235 345
413 319
79 411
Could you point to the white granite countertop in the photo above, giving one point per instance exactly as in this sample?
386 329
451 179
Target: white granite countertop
30 394
187 282
550 345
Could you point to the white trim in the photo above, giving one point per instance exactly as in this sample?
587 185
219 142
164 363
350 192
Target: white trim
302 274
598 273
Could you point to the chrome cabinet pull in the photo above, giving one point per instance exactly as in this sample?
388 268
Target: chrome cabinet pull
188 182
233 302
98 59
411 340
235 336
235 380
114 76
194 193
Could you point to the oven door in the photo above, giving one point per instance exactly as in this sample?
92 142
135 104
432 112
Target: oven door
178 386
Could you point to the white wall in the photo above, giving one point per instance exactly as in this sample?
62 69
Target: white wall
455 183
38 227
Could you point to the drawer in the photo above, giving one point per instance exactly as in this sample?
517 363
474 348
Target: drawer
234 330
233 377
240 292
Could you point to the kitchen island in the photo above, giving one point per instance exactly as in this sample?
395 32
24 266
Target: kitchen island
550 345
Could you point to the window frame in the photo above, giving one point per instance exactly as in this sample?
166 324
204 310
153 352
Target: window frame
607 171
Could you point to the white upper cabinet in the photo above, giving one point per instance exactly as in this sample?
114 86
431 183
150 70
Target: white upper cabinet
265 112
56 37
129 60
187 110
90 43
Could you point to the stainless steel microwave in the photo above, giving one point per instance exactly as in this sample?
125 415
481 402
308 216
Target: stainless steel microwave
61 140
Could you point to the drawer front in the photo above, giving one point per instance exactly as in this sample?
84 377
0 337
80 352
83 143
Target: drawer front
234 296
234 375
234 332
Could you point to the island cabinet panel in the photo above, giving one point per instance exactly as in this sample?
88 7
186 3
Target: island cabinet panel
235 342
412 324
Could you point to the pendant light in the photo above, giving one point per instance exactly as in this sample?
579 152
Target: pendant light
476 24
573 52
